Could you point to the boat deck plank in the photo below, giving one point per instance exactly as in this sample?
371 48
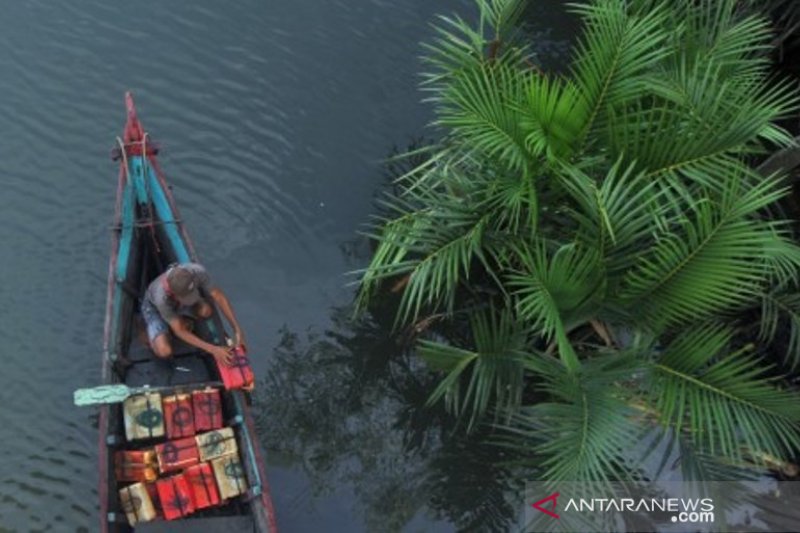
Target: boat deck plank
160 373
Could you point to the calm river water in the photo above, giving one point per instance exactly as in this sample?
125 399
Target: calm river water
273 118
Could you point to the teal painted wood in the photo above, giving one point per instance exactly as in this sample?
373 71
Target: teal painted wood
238 399
136 174
127 219
167 217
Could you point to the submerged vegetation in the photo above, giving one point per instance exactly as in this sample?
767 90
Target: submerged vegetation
589 258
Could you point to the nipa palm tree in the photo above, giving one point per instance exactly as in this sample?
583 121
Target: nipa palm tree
622 269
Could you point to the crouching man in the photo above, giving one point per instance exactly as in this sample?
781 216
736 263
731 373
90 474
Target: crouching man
173 299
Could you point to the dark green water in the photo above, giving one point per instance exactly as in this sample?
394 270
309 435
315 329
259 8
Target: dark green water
273 118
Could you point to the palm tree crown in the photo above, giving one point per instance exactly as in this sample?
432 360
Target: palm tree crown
605 235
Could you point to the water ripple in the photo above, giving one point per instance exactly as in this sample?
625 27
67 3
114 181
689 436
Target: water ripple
273 119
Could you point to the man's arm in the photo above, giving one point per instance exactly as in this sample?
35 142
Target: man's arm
225 306
180 330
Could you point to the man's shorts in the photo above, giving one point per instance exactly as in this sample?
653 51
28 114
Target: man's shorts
156 325
152 318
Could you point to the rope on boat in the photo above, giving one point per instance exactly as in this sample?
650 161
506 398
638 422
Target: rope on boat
124 155
151 223
144 164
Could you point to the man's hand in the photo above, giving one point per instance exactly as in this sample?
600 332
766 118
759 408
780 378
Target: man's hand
222 354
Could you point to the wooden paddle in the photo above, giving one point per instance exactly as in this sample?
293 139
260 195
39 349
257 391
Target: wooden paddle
119 393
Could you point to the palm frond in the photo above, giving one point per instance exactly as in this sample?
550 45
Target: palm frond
699 127
698 465
435 246
502 15
707 100
615 216
490 374
616 54
712 262
480 105
395 237
726 400
585 431
515 200
553 116
669 451
782 255
553 290
718 31
458 45
443 255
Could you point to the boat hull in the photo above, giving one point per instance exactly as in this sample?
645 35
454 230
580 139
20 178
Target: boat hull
147 235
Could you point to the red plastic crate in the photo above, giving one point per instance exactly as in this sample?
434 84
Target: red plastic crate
239 374
178 415
135 465
207 409
177 454
202 485
175 497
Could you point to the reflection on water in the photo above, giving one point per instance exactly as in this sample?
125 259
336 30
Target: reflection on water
349 406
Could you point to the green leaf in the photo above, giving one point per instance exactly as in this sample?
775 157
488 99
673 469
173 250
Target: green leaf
711 262
553 116
616 215
488 376
553 291
480 105
585 431
725 400
616 54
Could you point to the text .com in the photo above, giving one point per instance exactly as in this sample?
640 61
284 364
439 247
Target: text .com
694 517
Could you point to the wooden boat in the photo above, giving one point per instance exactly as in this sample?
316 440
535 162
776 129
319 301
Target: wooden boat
148 235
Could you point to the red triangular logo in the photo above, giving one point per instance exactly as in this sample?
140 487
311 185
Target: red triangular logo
554 498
